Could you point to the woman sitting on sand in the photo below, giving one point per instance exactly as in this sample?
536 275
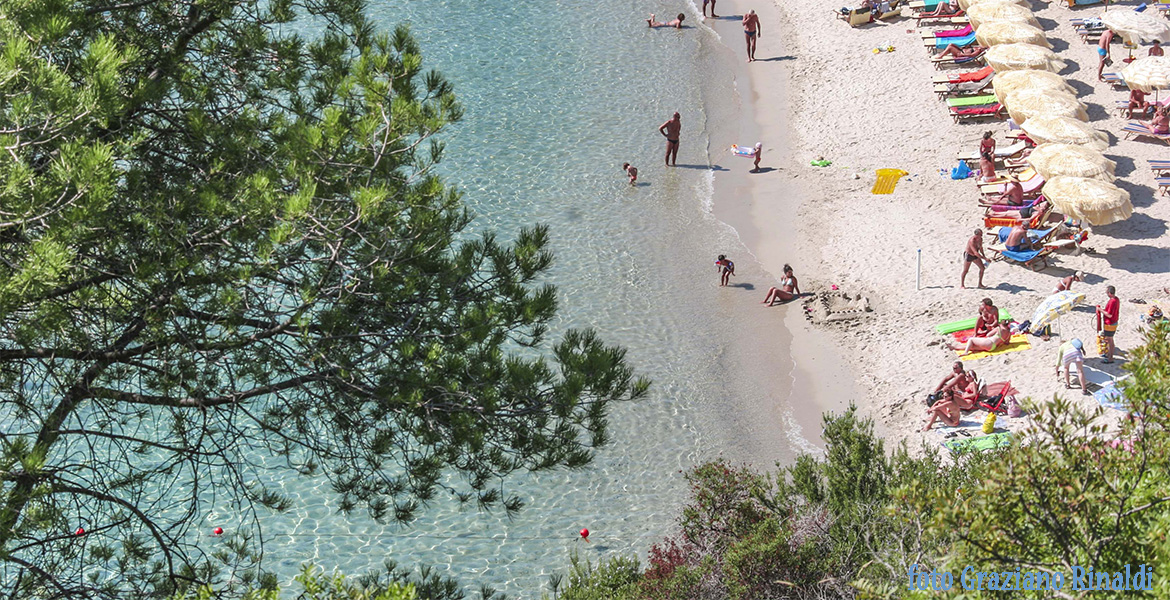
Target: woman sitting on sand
677 23
999 337
947 410
789 289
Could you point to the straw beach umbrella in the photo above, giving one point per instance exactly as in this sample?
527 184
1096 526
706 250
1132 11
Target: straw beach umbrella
965 4
1008 32
986 12
1009 81
1030 102
1137 27
1064 130
1091 200
1056 160
1017 57
1148 74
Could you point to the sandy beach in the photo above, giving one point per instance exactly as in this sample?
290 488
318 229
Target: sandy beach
817 90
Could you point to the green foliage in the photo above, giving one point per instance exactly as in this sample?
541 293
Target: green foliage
314 586
612 579
224 248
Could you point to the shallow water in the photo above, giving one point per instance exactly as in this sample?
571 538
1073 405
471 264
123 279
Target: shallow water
557 96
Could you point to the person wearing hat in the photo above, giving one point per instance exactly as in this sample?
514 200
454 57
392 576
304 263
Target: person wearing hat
1013 192
1072 352
1066 283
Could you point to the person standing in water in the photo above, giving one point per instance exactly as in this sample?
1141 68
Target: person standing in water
726 269
670 130
631 172
712 2
751 30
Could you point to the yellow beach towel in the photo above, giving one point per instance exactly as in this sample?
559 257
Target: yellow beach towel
1017 343
886 180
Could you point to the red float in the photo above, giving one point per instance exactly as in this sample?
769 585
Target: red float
80 531
585 534
217 531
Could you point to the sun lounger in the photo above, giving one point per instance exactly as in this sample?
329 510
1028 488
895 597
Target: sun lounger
942 61
983 100
855 16
964 88
939 43
986 111
1076 3
1031 188
959 18
949 33
894 9
1159 166
1000 151
1163 184
1088 29
1114 79
964 76
990 223
924 5
1139 129
1029 258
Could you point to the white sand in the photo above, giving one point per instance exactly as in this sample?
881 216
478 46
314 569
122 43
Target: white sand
863 111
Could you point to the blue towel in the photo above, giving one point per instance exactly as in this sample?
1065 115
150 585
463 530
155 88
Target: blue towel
1110 397
1033 234
1021 257
962 42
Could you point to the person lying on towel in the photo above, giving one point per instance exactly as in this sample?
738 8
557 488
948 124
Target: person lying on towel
1000 337
1014 213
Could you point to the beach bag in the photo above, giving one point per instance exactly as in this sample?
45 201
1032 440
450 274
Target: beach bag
962 171
1014 410
989 424
994 404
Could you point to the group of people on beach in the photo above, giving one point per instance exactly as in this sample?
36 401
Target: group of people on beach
788 289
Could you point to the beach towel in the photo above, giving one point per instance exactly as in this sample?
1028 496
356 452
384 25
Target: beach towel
1110 397
965 31
982 100
962 42
952 327
886 180
968 87
1017 343
1021 257
976 111
979 444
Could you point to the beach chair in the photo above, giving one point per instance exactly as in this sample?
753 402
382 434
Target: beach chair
855 16
924 5
1037 260
949 33
1001 152
1163 184
986 111
1115 80
965 76
1076 3
1088 29
1139 130
1030 186
890 11
966 88
1159 167
938 43
1038 219
942 61
959 18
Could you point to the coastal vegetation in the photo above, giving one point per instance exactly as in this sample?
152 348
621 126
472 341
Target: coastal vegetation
857 521
227 260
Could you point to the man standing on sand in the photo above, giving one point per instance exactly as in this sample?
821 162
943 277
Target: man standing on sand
712 2
1109 318
973 253
670 131
751 30
1103 52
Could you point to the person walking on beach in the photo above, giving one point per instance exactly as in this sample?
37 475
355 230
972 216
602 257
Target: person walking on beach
751 30
973 253
1109 318
712 2
757 152
631 172
670 131
1103 52
726 269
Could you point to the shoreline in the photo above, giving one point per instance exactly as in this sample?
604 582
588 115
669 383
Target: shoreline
865 110
820 380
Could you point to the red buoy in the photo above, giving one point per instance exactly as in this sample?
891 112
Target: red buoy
80 531
585 534
217 531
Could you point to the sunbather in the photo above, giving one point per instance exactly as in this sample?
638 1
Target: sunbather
1016 213
789 289
1070 353
676 23
988 317
999 337
1065 284
956 381
968 396
944 9
1017 240
1137 100
947 410
1160 124
1013 192
957 52
987 157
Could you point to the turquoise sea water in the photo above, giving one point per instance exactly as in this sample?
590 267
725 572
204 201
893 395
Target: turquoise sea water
557 96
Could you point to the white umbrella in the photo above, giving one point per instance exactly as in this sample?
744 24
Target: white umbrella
1137 27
